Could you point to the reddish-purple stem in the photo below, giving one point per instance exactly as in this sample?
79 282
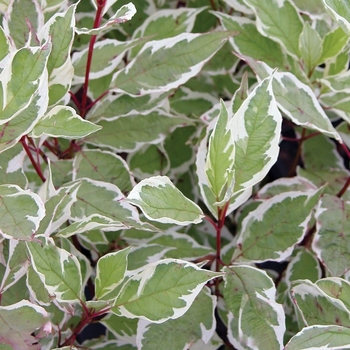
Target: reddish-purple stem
36 165
98 18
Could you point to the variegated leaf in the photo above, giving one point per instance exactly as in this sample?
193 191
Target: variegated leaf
161 201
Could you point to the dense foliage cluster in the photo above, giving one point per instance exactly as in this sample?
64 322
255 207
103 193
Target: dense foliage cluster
175 172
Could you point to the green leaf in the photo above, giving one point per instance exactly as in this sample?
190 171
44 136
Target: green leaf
183 246
22 86
20 211
11 167
165 64
172 21
339 10
110 272
333 43
319 153
131 132
336 101
108 54
124 329
103 166
310 45
161 201
221 158
19 321
16 263
250 42
21 15
256 128
111 107
59 30
106 201
255 319
279 21
303 265
198 323
58 209
145 254
296 100
150 160
337 288
125 13
4 45
58 270
241 94
317 307
161 291
63 121
332 234
321 338
263 238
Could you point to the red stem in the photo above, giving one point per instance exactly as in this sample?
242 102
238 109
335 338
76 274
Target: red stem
98 18
36 165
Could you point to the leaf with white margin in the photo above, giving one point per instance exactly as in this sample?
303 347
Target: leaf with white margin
198 323
105 199
239 6
36 288
58 270
108 54
303 264
130 133
182 245
146 254
337 102
16 263
338 82
103 166
163 65
280 21
12 131
64 122
59 30
255 319
296 100
206 193
16 24
172 22
92 222
21 87
337 288
320 338
20 211
161 201
339 10
110 271
256 128
57 209
286 184
124 329
11 167
317 307
250 42
111 107
332 234
220 158
271 231
161 291
124 14
19 321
